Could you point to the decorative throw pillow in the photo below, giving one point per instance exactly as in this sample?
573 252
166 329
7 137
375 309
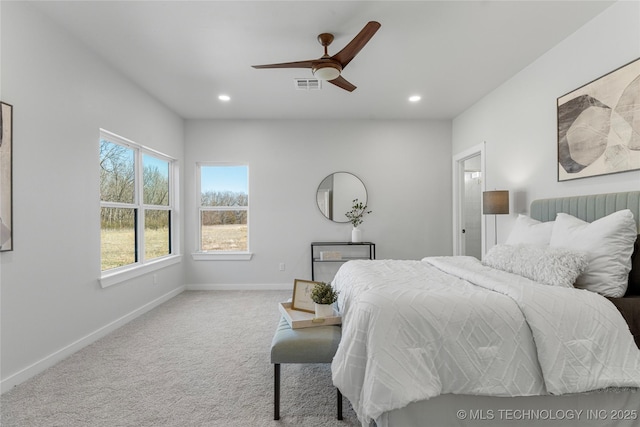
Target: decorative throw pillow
528 231
543 264
608 243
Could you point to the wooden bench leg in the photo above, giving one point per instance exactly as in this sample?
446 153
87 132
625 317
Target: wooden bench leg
339 405
276 391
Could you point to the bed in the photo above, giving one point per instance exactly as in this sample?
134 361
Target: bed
453 341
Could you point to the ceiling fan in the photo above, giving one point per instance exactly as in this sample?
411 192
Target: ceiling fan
330 67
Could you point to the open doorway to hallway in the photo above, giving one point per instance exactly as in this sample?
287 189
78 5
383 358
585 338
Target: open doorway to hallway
468 187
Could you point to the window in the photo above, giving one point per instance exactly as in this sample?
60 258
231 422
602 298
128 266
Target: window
136 204
223 211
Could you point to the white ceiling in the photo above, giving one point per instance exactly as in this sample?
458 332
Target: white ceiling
186 53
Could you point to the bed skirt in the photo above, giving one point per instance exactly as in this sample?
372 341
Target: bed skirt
611 408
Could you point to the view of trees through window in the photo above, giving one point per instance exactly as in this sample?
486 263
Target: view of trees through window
121 211
224 201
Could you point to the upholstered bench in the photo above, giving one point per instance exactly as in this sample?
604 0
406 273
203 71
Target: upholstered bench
305 345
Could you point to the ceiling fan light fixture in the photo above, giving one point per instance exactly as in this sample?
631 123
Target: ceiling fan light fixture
329 68
326 71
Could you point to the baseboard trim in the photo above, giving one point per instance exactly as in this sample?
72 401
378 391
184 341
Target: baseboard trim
48 361
240 287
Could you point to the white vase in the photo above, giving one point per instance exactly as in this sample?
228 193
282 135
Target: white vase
324 310
356 235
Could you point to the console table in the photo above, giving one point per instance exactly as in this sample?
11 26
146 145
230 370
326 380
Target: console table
337 253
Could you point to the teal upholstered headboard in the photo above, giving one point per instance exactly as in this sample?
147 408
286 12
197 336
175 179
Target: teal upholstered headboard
588 208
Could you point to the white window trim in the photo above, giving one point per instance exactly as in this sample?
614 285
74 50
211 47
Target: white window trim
199 255
127 272
115 276
221 256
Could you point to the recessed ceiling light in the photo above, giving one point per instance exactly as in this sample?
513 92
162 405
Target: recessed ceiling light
415 98
224 98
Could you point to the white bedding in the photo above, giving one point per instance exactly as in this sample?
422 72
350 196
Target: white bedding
413 330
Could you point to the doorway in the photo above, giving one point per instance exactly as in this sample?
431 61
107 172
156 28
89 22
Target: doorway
468 187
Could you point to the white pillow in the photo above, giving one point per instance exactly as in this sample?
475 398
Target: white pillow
608 243
528 231
543 264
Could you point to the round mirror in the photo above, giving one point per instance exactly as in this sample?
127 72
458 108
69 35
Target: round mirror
336 194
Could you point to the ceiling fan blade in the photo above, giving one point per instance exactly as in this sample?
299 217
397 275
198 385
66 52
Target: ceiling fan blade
351 50
342 83
297 64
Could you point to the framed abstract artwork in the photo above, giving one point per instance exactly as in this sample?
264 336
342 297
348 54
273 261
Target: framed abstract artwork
6 177
599 126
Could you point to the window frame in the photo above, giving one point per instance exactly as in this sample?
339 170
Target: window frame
142 265
199 254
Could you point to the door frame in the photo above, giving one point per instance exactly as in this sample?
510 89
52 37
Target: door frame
458 182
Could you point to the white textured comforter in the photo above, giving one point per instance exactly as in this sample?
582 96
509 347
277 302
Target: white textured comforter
415 329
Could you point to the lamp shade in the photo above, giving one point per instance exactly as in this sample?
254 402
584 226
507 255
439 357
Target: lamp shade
495 202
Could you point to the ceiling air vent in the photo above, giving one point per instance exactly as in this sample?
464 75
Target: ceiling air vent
307 84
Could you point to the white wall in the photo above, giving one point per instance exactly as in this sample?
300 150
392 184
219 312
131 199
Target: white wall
518 120
62 94
405 165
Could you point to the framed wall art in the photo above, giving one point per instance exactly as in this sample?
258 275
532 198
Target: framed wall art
6 177
599 125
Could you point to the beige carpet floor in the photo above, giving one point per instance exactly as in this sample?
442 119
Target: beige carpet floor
200 359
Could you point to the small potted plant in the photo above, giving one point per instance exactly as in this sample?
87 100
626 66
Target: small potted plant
323 295
355 215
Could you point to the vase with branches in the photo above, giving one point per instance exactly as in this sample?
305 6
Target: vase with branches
355 217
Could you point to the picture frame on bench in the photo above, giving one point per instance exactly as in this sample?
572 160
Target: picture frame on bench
302 295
